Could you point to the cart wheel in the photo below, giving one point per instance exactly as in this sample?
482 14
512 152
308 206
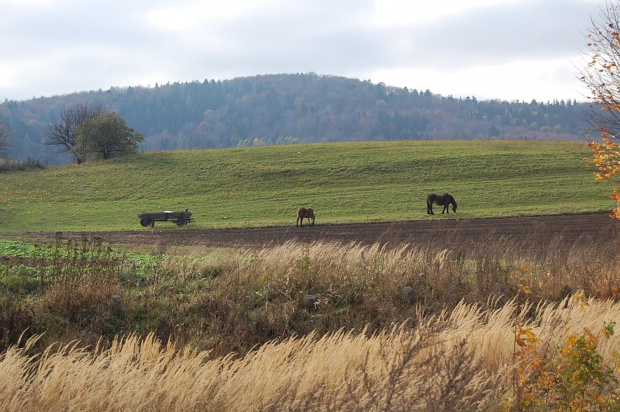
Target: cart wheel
181 222
147 223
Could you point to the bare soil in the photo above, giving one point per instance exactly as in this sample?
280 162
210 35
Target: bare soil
567 229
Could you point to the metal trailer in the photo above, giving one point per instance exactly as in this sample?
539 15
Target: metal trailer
148 219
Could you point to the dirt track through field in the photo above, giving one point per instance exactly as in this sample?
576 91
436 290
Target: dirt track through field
451 232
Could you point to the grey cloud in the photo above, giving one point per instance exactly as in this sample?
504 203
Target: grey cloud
497 34
97 44
35 30
326 39
336 40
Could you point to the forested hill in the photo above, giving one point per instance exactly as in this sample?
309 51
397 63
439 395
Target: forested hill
288 108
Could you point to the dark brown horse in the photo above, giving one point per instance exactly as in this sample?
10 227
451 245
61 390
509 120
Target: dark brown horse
444 200
303 213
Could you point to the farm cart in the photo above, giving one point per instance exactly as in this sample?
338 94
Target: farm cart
180 218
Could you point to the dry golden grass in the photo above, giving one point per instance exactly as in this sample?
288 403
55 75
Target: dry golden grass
228 300
244 340
457 360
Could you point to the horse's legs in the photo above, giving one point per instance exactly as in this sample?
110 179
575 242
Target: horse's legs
429 208
445 208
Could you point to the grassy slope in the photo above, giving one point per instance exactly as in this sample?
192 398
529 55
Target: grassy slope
344 182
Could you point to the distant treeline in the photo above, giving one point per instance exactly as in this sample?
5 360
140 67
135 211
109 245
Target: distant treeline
290 108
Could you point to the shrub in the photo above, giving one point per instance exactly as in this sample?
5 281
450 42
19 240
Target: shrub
573 377
7 164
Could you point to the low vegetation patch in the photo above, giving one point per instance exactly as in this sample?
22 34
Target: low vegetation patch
318 325
231 300
8 164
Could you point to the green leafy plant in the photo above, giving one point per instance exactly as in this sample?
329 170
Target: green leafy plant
574 377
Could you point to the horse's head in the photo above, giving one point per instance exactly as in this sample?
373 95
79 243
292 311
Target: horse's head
453 202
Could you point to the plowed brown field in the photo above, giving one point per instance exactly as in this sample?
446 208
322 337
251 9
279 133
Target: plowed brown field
450 232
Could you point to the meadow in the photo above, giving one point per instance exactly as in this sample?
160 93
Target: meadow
343 182
517 324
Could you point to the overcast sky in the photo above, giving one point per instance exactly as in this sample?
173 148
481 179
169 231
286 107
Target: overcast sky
490 49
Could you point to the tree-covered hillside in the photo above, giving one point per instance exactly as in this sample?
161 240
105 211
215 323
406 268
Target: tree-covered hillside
289 108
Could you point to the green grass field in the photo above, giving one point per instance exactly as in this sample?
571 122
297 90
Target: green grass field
343 182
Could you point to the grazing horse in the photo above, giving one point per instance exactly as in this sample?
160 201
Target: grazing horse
304 213
443 200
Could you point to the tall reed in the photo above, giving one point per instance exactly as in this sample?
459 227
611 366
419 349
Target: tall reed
456 360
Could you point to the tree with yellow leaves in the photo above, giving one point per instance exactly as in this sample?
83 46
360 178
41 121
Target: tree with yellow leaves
602 78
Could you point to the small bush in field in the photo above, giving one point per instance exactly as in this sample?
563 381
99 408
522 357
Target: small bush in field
8 164
576 378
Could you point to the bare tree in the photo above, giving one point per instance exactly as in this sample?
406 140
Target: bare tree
5 135
62 132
